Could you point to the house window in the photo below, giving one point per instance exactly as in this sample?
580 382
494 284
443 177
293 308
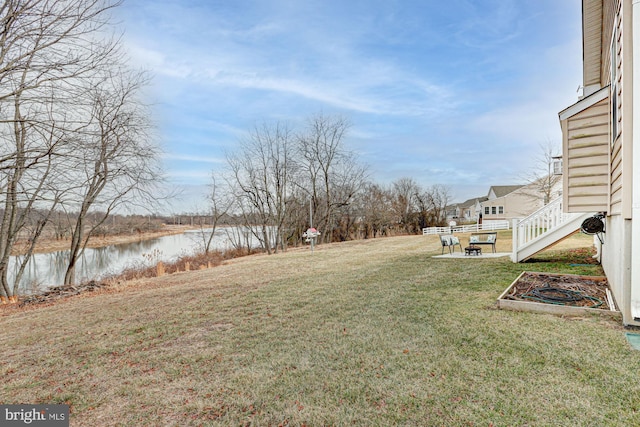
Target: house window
615 81
486 210
493 210
500 209
557 165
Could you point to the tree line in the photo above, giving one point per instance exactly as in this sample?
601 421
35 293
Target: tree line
279 182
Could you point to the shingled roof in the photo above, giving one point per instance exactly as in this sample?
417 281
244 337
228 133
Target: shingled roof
470 202
503 190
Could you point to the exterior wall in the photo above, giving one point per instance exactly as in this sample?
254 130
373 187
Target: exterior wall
609 9
612 255
616 74
632 231
476 210
466 214
621 173
616 263
586 145
615 201
518 204
616 251
617 71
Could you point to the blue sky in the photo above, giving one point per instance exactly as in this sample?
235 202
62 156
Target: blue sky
461 93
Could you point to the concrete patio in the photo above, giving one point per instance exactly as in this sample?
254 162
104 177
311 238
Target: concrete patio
484 255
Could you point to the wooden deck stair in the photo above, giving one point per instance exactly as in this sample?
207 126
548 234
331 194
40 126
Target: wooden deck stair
544 228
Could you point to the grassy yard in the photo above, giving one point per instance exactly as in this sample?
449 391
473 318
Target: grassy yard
368 333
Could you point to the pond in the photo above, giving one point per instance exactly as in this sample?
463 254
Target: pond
48 269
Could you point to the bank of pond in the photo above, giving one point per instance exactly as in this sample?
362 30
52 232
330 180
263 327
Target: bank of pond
48 269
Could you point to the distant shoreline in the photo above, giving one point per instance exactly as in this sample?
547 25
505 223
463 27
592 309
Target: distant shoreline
53 245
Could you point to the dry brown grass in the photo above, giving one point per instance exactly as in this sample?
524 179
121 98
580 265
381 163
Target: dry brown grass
368 333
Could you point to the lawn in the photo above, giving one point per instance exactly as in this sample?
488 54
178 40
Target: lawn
367 333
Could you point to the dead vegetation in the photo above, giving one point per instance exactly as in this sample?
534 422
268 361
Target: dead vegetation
187 263
561 289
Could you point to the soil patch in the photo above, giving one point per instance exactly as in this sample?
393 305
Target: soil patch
560 289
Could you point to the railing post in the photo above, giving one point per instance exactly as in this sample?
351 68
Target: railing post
514 240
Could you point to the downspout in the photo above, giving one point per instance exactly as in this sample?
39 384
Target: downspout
635 156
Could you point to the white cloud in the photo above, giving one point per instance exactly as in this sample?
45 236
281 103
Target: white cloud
490 88
193 158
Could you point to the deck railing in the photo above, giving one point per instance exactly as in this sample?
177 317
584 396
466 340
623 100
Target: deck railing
544 219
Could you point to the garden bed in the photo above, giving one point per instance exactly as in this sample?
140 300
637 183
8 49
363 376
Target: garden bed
560 294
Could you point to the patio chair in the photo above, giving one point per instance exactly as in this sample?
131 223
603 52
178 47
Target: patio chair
450 241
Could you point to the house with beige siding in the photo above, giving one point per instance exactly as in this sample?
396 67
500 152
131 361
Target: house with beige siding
509 202
502 202
472 208
467 211
601 168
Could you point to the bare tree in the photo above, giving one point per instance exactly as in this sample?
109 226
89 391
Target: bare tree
220 203
47 48
278 179
433 203
541 179
376 210
405 193
117 162
322 154
261 170
348 180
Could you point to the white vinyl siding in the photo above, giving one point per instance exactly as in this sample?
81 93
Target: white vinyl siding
586 144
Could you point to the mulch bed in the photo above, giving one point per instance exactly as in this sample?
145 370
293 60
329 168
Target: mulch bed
561 289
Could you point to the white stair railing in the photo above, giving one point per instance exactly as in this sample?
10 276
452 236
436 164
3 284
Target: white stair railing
544 219
543 223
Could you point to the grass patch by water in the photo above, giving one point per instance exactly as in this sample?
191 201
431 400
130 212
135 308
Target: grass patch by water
370 333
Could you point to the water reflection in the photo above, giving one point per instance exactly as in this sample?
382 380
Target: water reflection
48 269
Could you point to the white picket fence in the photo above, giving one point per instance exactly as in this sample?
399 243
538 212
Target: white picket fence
489 226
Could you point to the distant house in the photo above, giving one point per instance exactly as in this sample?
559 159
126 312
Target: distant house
503 202
601 147
452 212
507 202
467 211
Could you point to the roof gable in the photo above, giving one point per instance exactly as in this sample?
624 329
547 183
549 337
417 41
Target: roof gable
502 190
472 202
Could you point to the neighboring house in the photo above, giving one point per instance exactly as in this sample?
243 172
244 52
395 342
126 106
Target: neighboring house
503 202
467 211
470 209
452 211
601 168
508 202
